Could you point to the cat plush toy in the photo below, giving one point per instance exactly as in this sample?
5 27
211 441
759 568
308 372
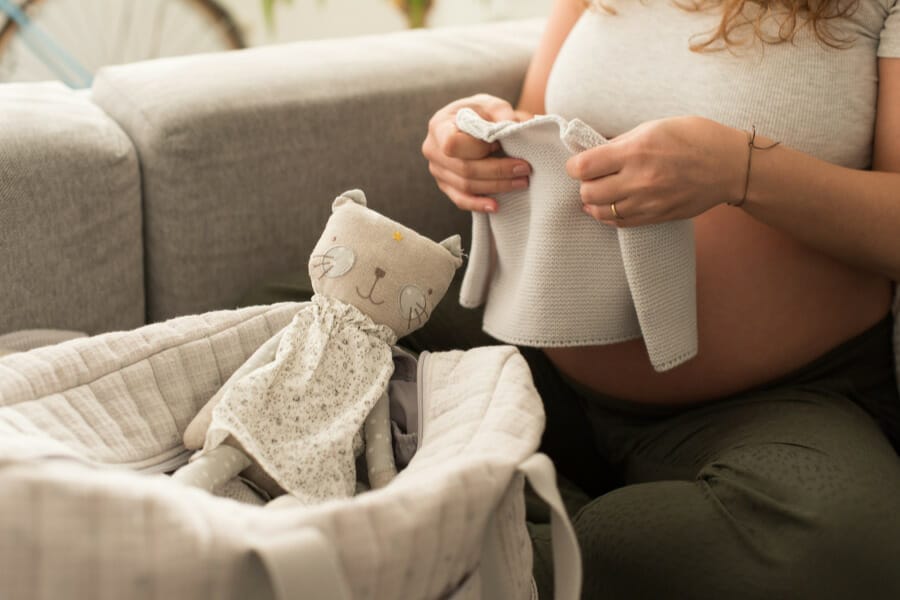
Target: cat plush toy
295 417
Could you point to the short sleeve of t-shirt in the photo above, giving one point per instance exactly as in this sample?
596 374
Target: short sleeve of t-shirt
889 46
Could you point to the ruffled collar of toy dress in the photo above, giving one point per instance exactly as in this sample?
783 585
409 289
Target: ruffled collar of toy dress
350 315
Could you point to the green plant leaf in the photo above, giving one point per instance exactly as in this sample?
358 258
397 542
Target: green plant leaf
268 7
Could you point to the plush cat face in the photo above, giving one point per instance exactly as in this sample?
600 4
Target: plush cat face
384 269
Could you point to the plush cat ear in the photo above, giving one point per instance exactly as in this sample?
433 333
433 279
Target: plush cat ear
356 196
454 245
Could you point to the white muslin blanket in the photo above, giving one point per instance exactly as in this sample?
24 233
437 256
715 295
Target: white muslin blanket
88 427
552 276
299 416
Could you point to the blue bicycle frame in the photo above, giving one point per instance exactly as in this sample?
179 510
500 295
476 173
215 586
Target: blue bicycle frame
57 59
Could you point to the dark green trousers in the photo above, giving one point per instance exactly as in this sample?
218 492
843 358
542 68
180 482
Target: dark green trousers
791 490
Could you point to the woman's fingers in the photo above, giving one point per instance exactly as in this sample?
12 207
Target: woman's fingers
605 190
490 108
629 212
462 165
477 185
606 215
466 201
454 143
600 213
599 161
483 169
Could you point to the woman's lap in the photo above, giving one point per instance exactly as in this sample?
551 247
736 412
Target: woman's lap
772 497
788 491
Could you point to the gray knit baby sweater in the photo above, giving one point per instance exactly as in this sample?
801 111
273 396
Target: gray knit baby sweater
552 276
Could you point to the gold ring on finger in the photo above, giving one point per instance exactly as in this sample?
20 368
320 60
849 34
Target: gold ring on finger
615 213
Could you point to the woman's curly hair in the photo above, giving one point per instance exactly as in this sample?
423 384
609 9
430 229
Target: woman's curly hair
789 15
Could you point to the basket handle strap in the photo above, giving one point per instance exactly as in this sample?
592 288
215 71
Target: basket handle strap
303 564
539 471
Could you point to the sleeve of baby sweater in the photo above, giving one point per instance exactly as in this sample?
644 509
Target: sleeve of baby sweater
889 46
473 292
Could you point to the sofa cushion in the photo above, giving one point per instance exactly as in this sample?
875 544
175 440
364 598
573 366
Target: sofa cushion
70 218
243 152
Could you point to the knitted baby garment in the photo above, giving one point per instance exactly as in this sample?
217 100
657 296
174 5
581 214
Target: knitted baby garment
553 276
299 416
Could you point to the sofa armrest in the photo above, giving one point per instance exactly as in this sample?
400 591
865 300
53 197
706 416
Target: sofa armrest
243 152
70 214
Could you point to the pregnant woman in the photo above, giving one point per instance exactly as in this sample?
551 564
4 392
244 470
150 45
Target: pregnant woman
766 466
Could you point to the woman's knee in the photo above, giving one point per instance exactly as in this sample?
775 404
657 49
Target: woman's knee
820 525
722 536
658 540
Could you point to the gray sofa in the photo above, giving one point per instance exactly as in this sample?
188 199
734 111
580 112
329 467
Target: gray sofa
174 186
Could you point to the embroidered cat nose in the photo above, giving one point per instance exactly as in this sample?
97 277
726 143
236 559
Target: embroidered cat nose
379 272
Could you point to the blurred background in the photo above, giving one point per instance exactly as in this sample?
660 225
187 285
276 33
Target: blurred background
70 39
312 19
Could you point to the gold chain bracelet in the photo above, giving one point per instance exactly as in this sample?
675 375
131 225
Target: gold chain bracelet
751 146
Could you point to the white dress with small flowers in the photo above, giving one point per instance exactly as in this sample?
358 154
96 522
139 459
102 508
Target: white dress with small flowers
299 417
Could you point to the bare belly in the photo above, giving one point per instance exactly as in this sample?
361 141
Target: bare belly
766 305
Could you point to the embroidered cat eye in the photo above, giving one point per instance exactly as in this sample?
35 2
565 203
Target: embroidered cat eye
413 304
335 262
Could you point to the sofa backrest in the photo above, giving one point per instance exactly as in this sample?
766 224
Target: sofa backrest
71 255
242 153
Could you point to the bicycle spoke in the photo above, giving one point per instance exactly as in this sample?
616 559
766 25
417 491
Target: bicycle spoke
27 62
185 37
158 28
89 42
65 24
104 33
205 36
125 21
61 29
97 32
182 27
40 43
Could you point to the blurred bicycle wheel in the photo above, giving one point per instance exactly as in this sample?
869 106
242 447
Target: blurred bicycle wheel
97 33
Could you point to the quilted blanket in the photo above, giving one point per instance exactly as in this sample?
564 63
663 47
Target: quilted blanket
88 427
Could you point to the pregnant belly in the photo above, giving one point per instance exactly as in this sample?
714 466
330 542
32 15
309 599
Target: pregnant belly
766 305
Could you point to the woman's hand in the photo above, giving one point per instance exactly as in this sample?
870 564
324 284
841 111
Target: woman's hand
462 165
665 170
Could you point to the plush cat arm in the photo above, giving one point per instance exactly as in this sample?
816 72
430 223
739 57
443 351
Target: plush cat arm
195 434
474 290
379 449
213 470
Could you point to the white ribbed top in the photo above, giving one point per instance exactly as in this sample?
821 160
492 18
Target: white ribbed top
551 275
615 72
